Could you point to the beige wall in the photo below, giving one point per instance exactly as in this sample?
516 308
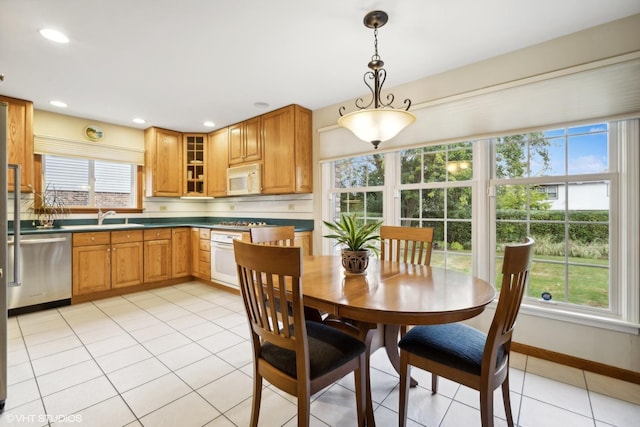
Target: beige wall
46 123
619 349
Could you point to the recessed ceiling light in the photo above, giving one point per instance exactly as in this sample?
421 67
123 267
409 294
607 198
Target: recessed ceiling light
54 35
58 104
139 121
209 124
261 104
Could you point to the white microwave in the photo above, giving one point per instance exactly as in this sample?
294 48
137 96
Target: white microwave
244 180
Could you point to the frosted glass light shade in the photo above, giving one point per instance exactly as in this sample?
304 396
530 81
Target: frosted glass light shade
376 125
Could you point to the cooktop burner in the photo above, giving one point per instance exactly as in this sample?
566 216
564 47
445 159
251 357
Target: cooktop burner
239 225
242 223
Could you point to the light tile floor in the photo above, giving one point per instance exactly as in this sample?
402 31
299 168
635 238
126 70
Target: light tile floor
179 356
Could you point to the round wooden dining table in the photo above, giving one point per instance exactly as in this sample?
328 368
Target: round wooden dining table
388 296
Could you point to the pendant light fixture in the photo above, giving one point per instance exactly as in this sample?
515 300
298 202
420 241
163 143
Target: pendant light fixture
382 122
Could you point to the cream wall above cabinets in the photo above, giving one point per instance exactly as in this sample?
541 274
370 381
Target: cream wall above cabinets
59 126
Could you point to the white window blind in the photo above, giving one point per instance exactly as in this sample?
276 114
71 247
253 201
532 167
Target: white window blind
44 144
604 89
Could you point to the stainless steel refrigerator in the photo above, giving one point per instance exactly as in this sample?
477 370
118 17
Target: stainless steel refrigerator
4 280
3 254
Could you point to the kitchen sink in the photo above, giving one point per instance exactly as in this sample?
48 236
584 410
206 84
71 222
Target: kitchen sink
97 227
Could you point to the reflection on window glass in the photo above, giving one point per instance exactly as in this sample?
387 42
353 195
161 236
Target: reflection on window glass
365 171
439 163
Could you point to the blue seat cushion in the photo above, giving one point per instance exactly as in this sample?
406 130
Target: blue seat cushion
452 344
328 349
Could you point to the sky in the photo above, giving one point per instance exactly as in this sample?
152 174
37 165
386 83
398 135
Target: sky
585 147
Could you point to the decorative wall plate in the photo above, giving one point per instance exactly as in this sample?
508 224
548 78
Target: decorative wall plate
94 133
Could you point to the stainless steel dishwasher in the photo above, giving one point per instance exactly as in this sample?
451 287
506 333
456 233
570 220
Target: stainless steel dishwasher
45 272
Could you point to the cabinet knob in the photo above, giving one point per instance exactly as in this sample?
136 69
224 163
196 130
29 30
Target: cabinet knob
93 238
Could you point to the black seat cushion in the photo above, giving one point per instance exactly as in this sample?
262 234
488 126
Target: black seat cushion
328 349
453 344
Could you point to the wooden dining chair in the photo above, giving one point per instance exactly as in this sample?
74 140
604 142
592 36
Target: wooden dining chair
295 355
283 235
412 245
273 235
466 355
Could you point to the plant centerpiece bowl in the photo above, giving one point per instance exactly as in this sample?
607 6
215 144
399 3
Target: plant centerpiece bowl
48 205
358 240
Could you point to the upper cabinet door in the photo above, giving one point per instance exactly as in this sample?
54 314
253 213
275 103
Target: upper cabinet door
217 163
163 163
245 142
195 167
20 140
287 151
253 140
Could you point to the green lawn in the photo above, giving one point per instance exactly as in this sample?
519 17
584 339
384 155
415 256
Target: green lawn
588 283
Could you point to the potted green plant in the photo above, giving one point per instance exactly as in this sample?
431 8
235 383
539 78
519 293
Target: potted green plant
48 205
357 238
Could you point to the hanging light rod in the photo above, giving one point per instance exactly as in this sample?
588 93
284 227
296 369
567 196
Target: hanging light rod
383 121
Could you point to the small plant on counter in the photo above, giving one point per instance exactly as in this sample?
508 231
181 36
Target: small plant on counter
48 205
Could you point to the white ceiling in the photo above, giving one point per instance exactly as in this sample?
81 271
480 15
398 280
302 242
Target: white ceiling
178 64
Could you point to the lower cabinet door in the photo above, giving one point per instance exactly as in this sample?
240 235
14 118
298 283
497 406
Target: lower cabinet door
126 264
157 260
91 269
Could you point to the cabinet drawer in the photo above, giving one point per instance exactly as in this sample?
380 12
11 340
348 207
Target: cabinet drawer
205 269
157 234
205 245
126 236
96 238
205 233
205 256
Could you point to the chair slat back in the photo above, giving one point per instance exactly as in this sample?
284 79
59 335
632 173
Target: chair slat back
278 236
268 274
515 277
412 245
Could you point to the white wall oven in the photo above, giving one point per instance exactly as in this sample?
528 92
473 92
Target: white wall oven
223 262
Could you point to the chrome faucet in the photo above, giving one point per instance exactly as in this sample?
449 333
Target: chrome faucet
102 216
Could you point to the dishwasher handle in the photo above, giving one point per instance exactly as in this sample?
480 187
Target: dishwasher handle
39 241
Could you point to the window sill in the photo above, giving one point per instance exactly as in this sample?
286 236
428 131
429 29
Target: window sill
580 318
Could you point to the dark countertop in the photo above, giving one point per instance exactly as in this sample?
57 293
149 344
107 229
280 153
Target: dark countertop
27 227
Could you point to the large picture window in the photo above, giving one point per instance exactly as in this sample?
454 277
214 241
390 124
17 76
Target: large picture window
572 232
570 188
435 191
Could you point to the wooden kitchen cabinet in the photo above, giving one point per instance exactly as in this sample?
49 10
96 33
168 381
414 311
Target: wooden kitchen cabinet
163 163
304 239
245 142
286 134
127 253
217 163
195 166
157 254
201 253
20 141
91 262
180 252
106 260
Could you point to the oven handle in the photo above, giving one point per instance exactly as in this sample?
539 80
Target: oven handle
221 245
